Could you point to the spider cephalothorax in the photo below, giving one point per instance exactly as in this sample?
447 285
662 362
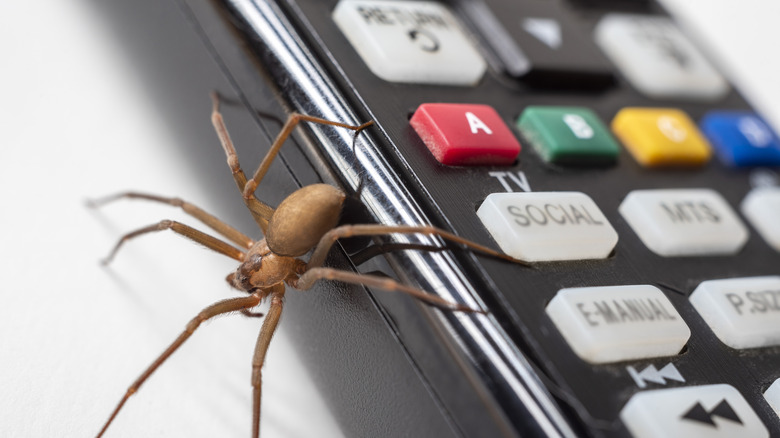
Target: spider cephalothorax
263 269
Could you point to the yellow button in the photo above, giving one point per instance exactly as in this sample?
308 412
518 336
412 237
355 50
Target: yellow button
661 137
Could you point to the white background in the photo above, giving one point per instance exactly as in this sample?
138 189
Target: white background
73 335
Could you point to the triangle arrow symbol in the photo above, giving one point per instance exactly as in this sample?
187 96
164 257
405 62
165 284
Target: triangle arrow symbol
546 30
671 373
698 413
651 374
724 410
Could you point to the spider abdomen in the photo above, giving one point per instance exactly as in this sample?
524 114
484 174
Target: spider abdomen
303 218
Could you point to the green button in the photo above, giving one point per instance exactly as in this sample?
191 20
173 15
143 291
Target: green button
568 135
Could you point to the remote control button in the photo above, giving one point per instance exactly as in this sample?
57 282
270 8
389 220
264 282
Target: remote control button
772 396
657 58
742 312
708 411
684 222
540 43
614 323
661 137
762 208
548 226
741 138
403 41
568 135
465 134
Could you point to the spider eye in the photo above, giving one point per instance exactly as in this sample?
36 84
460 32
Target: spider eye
242 278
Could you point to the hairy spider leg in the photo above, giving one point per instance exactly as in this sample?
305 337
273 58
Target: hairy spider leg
329 239
187 231
261 348
218 308
292 121
261 211
312 276
210 220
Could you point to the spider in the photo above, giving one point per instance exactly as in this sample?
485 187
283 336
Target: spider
306 221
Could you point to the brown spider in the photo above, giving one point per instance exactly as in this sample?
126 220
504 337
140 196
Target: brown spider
306 220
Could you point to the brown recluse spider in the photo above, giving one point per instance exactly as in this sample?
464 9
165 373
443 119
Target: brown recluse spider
304 221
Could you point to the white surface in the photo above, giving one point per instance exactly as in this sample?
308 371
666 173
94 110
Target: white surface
739 36
548 226
74 335
743 312
762 208
772 395
76 124
614 323
646 49
682 222
440 53
658 414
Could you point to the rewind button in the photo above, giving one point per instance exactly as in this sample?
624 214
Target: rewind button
702 415
708 411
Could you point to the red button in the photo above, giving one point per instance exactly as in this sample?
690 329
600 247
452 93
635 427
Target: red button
465 134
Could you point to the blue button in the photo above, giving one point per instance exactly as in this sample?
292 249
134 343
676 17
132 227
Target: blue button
742 138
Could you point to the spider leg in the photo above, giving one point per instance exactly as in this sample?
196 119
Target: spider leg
310 277
327 240
263 341
218 308
292 121
204 239
260 211
210 220
250 314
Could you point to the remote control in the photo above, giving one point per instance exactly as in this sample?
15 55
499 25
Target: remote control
591 139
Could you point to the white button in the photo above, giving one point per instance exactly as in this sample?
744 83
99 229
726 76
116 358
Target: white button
772 396
709 411
684 222
406 41
546 226
657 58
614 323
762 208
743 312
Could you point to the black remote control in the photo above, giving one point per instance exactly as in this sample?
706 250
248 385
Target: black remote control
591 139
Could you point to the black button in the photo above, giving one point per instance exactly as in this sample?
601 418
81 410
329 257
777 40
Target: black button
539 43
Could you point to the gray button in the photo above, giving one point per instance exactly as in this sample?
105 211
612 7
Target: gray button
684 222
404 41
743 312
657 58
709 411
547 226
614 323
